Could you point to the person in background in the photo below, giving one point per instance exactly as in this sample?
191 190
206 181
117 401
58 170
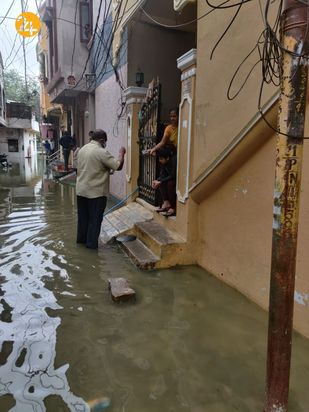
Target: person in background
94 164
67 144
47 147
52 146
74 141
166 182
170 137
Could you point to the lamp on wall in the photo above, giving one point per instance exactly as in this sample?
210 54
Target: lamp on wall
139 78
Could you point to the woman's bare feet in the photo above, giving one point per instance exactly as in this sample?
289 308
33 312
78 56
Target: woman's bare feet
170 212
164 208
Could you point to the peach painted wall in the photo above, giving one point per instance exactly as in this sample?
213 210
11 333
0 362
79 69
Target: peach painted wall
235 232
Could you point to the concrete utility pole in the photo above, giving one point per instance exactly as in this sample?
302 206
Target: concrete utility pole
24 54
292 109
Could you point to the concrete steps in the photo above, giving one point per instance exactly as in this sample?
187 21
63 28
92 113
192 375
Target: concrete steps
156 245
141 256
122 221
157 238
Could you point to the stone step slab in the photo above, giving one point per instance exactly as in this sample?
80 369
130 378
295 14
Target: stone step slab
141 256
157 238
120 290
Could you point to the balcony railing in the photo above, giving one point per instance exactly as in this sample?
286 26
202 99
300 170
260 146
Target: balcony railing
18 111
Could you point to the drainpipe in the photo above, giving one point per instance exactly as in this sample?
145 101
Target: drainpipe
292 107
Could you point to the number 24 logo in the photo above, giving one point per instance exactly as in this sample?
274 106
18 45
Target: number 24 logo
28 24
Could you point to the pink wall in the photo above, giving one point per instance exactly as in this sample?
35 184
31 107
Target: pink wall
108 99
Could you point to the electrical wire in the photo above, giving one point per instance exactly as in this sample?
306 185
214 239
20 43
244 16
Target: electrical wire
106 48
12 49
96 60
188 23
6 14
14 59
116 206
92 44
222 6
228 27
270 54
75 32
60 11
23 7
116 23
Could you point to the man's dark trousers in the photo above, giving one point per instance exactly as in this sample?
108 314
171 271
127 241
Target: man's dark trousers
90 216
66 155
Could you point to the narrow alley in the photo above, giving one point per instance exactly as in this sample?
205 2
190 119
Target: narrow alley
189 343
154 206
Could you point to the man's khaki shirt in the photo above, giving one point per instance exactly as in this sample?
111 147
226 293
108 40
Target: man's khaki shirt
93 168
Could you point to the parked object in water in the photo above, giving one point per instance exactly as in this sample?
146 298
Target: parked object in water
4 162
98 405
126 238
120 290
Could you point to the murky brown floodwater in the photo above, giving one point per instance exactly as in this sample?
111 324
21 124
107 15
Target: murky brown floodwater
190 343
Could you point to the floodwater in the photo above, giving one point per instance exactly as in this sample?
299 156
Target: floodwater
189 343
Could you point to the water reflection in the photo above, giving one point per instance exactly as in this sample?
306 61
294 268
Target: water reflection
22 173
188 344
28 329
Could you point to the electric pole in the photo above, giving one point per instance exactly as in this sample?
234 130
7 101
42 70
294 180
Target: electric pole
292 107
24 54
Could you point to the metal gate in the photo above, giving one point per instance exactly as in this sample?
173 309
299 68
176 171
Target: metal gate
149 136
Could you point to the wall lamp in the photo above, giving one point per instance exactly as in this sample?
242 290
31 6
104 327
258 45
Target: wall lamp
139 78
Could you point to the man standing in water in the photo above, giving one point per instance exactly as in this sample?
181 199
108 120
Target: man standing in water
67 143
94 164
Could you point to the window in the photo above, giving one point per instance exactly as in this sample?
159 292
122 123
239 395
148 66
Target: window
49 18
13 145
85 21
42 62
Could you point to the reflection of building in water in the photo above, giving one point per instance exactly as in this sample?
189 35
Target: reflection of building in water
49 186
30 168
67 194
18 139
29 373
23 171
27 333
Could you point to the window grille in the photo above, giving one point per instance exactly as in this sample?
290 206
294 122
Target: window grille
85 21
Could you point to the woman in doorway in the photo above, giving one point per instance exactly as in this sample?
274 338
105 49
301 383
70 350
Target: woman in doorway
166 182
170 137
169 141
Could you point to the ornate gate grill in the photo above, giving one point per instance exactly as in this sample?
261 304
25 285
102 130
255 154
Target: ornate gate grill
149 135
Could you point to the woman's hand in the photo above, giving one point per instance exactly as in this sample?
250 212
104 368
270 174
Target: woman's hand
152 151
156 184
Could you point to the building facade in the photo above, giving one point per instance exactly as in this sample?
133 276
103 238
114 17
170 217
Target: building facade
18 139
101 70
231 154
226 154
136 46
53 116
64 54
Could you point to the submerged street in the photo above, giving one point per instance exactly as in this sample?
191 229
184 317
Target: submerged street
189 343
